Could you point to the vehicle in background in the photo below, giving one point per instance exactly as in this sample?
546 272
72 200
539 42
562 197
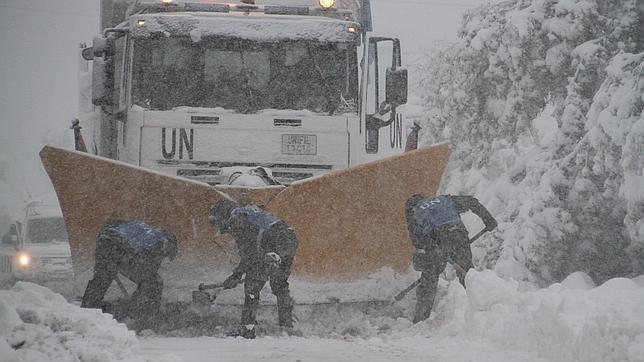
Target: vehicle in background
36 247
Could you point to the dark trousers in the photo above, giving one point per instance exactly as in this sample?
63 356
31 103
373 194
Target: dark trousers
111 257
457 251
106 258
278 280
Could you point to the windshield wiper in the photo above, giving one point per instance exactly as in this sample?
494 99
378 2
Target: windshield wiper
332 106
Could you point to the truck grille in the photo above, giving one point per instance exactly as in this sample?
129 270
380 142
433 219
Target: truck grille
6 263
51 260
210 172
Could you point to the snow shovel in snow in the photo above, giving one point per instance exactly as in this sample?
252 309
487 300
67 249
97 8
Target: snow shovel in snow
413 285
202 298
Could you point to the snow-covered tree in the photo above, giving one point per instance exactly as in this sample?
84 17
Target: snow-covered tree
542 103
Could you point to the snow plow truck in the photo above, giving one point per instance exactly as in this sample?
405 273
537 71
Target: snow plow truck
181 100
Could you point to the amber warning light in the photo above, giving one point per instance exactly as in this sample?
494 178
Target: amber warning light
327 4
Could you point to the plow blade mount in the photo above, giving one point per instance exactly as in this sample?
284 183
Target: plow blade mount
350 223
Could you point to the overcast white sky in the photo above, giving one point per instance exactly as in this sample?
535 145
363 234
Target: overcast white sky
38 63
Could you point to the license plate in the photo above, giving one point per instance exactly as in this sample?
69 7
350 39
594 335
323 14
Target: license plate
299 144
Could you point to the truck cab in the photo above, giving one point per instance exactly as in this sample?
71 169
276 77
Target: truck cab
36 247
192 89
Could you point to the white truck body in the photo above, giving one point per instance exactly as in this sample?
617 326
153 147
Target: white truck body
167 108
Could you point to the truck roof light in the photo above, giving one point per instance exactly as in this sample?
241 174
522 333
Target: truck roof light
327 4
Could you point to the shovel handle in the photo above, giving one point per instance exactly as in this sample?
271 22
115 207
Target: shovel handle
413 285
203 286
402 294
473 239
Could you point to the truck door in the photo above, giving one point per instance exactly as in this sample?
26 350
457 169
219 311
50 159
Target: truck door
8 246
110 88
386 88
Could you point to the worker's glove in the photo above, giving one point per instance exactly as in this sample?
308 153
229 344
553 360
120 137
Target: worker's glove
490 225
231 282
272 260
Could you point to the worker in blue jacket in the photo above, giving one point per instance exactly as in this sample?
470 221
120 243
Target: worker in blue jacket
439 236
136 250
267 247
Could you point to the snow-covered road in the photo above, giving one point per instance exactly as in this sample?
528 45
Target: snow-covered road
283 349
494 319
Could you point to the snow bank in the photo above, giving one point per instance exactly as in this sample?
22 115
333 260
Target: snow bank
571 321
37 324
568 321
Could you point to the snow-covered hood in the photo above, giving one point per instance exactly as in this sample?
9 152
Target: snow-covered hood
54 249
258 27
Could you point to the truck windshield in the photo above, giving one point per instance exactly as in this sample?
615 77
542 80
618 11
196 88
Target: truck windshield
46 230
244 76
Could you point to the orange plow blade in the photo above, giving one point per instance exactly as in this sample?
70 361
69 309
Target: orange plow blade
350 222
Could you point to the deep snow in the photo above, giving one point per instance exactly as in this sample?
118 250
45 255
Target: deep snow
494 320
322 349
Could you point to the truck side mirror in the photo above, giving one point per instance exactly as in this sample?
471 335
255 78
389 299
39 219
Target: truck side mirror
102 52
396 86
103 82
88 53
102 47
11 238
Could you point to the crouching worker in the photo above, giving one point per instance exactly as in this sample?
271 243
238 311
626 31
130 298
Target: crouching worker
439 236
135 250
266 247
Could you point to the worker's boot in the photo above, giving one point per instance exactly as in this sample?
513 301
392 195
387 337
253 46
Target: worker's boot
244 331
285 313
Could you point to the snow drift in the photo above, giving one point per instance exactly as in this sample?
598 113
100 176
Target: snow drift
37 324
568 321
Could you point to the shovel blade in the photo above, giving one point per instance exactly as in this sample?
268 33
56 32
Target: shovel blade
200 298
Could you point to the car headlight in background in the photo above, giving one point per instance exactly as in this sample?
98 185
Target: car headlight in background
24 260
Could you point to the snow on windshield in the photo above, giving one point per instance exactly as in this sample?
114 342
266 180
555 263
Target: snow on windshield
46 230
243 76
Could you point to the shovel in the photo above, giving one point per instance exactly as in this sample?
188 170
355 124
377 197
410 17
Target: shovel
202 298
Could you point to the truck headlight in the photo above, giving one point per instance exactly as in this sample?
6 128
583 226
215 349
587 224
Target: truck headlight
24 260
327 4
